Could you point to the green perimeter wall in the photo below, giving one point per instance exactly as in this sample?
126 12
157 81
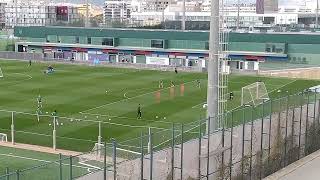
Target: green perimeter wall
301 48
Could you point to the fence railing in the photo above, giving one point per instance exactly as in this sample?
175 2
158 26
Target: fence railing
250 143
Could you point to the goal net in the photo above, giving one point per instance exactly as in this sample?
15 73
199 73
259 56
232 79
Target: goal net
3 137
254 94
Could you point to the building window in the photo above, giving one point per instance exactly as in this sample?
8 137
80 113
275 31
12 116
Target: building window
207 46
77 39
89 40
107 41
157 43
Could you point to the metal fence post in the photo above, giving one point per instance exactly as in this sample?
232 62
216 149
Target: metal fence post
181 160
261 141
307 124
70 168
199 150
151 155
300 124
208 147
7 173
12 128
270 129
18 174
251 143
172 151
142 156
54 134
105 161
223 145
231 146
114 159
286 133
60 166
243 141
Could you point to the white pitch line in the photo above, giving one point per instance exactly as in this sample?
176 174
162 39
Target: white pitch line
83 112
39 160
283 86
125 94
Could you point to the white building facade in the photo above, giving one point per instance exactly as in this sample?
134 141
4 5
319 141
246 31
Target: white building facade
116 10
23 14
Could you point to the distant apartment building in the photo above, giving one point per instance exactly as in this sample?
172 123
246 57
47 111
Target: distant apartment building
116 10
93 10
39 14
155 5
2 15
266 6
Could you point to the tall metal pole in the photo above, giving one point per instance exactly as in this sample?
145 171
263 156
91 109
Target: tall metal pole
183 25
317 14
87 14
238 14
213 65
12 128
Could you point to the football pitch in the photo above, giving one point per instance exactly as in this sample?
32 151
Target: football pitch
36 165
109 95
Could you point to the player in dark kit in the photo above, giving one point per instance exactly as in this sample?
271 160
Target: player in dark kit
139 113
231 96
176 70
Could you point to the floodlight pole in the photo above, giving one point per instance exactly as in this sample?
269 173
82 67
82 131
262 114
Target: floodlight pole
238 14
183 25
317 14
87 14
213 66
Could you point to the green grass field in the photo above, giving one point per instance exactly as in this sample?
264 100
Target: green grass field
109 95
36 165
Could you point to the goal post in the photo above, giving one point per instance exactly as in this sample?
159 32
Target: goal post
3 137
254 94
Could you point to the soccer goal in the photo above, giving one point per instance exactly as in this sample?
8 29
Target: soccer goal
3 137
254 94
1 74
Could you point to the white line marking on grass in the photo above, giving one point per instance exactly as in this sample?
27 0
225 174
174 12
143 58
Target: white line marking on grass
135 90
108 104
282 86
123 117
40 160
19 81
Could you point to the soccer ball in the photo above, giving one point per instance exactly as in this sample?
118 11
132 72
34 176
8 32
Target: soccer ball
109 119
164 118
157 117
61 124
49 124
279 91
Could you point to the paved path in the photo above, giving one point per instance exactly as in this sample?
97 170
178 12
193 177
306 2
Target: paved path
307 168
39 149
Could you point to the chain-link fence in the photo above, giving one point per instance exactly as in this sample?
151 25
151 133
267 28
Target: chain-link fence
250 143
